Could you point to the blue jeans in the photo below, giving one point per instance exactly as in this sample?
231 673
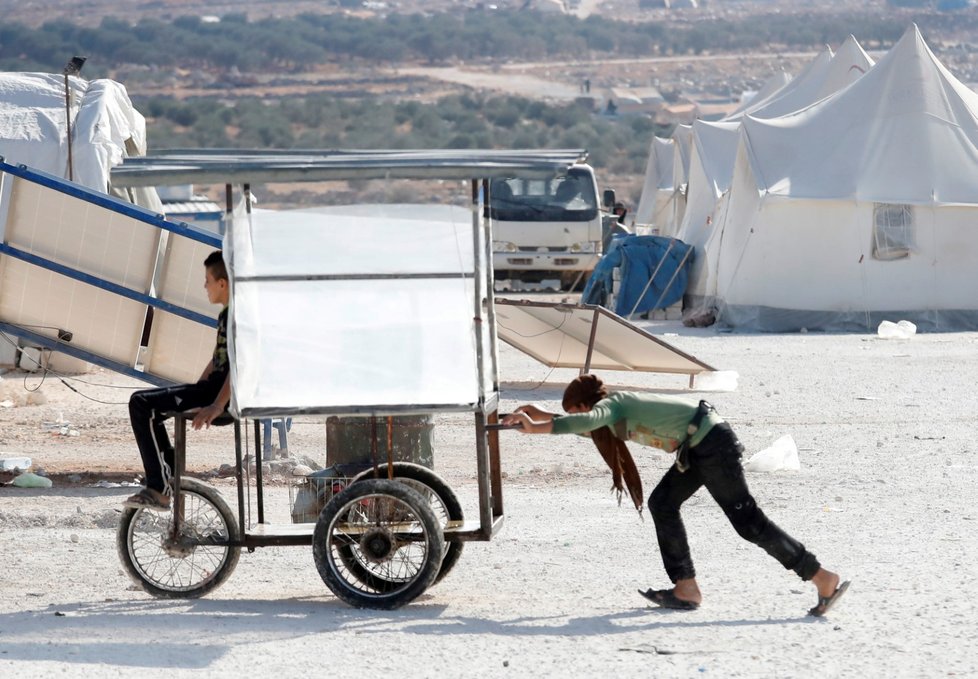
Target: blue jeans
715 463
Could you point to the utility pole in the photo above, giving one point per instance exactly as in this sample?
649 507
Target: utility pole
73 67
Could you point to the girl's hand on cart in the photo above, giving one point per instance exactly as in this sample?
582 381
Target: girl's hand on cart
535 413
527 425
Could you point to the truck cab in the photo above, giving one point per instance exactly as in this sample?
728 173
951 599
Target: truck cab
545 229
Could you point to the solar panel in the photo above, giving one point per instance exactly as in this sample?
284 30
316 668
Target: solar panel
579 336
78 263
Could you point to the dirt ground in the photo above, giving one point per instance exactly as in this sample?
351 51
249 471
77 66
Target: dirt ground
886 496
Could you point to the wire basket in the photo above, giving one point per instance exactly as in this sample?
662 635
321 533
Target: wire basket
309 494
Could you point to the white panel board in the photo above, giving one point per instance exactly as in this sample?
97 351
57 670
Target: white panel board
180 348
558 336
359 310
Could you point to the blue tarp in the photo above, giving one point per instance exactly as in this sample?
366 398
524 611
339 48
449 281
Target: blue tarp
638 257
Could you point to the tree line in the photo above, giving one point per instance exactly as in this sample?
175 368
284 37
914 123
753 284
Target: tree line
297 43
453 122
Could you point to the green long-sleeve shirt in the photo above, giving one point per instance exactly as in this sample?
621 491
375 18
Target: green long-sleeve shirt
649 419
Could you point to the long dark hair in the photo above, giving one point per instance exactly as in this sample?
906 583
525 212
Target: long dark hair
587 390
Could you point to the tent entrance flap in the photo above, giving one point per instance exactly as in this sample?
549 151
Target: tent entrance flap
587 337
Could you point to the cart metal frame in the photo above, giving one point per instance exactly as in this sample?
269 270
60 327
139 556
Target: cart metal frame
477 168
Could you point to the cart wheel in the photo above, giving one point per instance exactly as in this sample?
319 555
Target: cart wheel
378 544
443 501
199 560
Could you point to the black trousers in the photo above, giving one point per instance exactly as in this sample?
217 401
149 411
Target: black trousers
146 410
715 463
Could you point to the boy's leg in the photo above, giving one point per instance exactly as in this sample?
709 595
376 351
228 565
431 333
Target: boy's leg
673 490
717 458
146 410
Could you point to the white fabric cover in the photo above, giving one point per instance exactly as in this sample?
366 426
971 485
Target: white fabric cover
33 128
336 334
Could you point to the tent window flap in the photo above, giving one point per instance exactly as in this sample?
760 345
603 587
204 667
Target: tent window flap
893 231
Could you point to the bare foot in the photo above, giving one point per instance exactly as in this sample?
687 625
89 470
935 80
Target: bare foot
688 590
826 582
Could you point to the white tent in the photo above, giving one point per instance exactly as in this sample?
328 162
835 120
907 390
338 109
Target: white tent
825 75
672 212
770 88
657 191
105 127
860 207
714 151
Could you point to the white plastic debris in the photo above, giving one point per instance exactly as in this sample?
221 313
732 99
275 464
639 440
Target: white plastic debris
899 330
716 380
782 455
17 462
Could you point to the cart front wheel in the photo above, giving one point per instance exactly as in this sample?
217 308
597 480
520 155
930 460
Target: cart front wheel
187 565
378 544
442 498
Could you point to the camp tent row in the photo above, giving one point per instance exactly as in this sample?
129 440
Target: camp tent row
858 206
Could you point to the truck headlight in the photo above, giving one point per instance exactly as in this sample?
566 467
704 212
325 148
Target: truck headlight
584 246
504 246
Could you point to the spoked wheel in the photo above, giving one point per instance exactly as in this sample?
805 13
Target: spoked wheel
443 502
378 544
190 564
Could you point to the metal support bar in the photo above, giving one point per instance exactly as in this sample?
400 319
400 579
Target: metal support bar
673 279
179 461
495 468
586 368
259 480
108 286
239 478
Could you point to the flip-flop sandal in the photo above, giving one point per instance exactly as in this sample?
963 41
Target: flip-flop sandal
148 499
825 603
666 598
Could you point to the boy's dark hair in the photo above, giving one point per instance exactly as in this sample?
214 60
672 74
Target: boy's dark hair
215 264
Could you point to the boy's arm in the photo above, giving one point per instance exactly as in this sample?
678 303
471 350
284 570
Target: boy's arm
208 414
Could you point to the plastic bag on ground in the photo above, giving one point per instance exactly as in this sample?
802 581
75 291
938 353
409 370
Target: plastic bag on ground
782 455
716 380
30 480
900 330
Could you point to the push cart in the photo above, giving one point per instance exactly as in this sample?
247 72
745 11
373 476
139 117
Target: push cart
359 312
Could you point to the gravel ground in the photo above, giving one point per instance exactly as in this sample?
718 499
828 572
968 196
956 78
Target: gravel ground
886 496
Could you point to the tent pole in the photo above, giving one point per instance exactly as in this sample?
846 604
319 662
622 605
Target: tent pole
590 344
673 279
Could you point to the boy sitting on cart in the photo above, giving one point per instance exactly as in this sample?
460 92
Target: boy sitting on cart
211 394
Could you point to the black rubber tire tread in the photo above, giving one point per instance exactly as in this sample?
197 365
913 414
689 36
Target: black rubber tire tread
438 486
396 595
211 496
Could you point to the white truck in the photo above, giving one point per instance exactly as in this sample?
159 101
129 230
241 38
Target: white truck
546 229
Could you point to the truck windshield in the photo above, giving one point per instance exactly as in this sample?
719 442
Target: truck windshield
570 198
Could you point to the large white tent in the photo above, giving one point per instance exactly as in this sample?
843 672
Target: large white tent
657 191
858 208
825 75
713 153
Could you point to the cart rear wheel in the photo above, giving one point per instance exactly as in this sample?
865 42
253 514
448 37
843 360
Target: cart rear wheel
443 501
194 563
378 544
